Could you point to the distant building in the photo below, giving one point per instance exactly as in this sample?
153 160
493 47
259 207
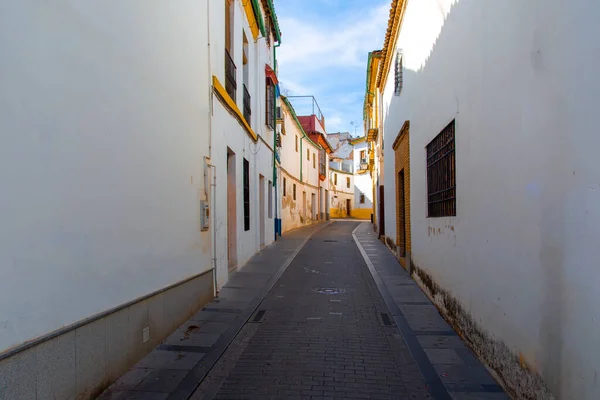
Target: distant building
350 177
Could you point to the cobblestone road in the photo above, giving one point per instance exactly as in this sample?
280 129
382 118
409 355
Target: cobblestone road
320 334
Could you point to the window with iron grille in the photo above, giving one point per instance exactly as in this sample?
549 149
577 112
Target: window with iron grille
362 198
294 191
284 185
398 74
441 174
348 182
314 161
246 195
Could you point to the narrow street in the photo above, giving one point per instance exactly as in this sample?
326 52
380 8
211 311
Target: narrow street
321 335
326 312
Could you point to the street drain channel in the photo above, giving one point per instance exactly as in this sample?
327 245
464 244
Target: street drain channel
258 317
329 291
386 319
330 241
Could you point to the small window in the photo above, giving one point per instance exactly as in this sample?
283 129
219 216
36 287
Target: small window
270 104
284 187
347 182
398 74
246 195
441 174
296 143
314 161
294 191
335 179
363 155
308 154
270 189
362 198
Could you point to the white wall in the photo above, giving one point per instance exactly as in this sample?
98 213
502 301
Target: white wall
520 78
363 183
293 212
103 121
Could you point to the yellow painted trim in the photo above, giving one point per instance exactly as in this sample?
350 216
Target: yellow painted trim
233 107
391 37
247 4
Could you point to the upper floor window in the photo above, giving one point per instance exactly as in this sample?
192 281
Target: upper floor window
348 182
284 185
314 161
296 143
270 104
335 179
230 68
308 154
363 155
398 73
441 174
362 198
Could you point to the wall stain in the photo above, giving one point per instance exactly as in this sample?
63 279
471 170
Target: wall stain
520 381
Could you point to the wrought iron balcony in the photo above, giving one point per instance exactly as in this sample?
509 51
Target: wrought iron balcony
247 109
230 73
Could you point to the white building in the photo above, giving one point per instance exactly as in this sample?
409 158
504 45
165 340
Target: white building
496 104
115 119
302 190
363 182
350 178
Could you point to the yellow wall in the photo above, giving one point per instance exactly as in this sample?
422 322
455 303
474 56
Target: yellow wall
361 213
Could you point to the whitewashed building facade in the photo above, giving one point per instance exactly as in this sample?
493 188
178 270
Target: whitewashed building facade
137 172
495 102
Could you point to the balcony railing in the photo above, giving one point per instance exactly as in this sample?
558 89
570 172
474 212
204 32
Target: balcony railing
247 109
230 73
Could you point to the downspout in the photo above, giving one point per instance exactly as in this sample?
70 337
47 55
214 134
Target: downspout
277 220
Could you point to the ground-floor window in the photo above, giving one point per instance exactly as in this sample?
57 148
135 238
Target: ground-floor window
246 195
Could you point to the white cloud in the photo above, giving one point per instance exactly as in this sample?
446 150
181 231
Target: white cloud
313 46
328 59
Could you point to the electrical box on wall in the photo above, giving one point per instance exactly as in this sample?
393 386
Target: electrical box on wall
204 215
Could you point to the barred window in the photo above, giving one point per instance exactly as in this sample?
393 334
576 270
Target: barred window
441 174
398 74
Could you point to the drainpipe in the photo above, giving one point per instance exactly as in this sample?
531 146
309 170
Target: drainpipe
277 220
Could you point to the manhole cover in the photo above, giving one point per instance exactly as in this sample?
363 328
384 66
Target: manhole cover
329 290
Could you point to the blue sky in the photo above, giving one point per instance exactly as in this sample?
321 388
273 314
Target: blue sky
325 44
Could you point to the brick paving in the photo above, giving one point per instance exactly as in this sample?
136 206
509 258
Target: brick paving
321 337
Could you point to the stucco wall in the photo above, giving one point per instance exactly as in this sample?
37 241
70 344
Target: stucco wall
103 119
520 256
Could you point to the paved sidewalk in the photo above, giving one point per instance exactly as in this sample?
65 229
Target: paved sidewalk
449 367
176 367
